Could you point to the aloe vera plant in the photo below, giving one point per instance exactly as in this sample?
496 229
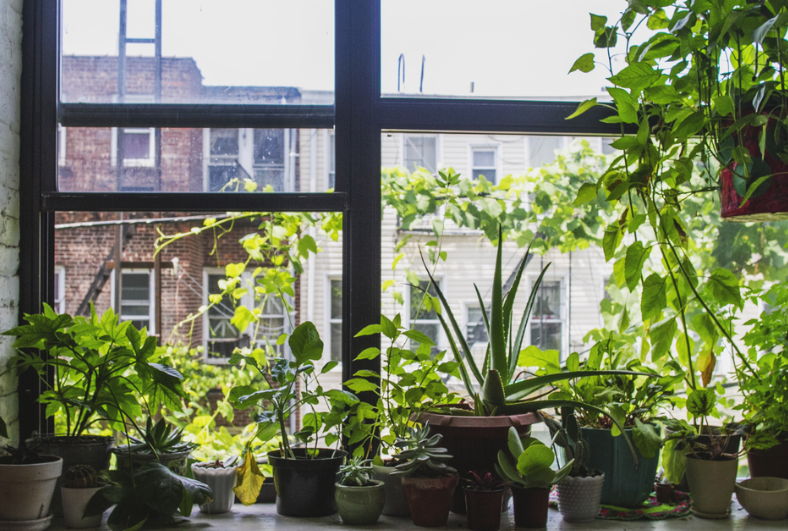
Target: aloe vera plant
494 388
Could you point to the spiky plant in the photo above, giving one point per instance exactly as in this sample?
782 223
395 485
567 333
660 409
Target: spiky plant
356 473
81 477
423 457
568 436
24 454
160 438
485 481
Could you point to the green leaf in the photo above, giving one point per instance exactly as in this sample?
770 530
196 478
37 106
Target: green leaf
636 258
585 63
661 335
418 337
646 439
636 77
328 366
701 402
674 461
725 287
305 343
359 385
690 125
369 330
369 354
585 194
704 325
534 459
306 244
654 297
573 362
598 22
658 20
583 107
723 104
611 240
533 356
661 94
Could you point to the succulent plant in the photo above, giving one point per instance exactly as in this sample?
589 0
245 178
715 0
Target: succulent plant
568 436
530 463
356 473
423 457
81 477
218 463
24 454
483 481
160 438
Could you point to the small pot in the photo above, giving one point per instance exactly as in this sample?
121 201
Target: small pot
74 503
666 493
26 490
770 463
221 481
764 497
530 507
483 508
305 487
360 505
711 484
430 499
396 500
578 497
174 461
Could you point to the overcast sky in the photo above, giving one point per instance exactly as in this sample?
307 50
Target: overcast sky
515 48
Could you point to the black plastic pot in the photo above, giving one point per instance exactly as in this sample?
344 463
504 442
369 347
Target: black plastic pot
305 486
484 509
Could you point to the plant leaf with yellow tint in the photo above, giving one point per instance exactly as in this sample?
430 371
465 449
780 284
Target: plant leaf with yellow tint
250 480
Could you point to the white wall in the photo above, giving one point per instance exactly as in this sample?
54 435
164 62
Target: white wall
10 72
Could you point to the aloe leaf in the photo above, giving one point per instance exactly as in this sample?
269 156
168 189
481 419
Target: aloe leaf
511 297
498 359
493 392
484 311
518 344
521 389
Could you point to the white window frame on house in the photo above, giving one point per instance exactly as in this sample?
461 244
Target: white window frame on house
466 307
151 317
496 148
329 159
564 141
60 289
206 326
61 145
148 162
403 140
409 322
563 310
288 183
328 320
206 156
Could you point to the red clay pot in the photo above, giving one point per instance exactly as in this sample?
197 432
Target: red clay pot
530 507
772 462
429 499
475 441
484 509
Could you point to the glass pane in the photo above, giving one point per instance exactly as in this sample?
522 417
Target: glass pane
213 51
336 299
542 149
336 341
136 286
476 332
417 308
129 309
548 302
195 160
550 340
488 174
484 158
494 49
421 152
139 325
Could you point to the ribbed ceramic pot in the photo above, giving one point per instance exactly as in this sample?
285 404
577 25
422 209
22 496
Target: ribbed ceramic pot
360 505
74 503
26 490
221 480
711 484
578 498
396 500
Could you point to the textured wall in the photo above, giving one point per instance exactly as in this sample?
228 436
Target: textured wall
10 72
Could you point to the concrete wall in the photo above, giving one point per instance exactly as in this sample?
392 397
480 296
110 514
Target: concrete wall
10 72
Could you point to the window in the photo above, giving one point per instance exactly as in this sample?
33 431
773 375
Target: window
484 161
272 325
223 165
421 319
335 320
547 327
420 151
222 337
540 150
134 146
60 290
270 148
136 303
331 161
475 331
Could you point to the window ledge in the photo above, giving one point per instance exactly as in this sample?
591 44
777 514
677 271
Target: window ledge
263 517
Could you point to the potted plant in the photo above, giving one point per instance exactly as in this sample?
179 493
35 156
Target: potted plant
106 371
483 501
359 498
220 476
580 491
80 483
711 472
527 469
500 398
160 442
27 482
428 481
149 494
304 477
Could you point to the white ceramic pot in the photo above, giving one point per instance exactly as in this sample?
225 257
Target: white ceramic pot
26 490
764 497
222 481
396 500
711 484
578 498
74 503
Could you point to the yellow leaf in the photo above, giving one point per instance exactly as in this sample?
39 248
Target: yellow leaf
706 363
249 480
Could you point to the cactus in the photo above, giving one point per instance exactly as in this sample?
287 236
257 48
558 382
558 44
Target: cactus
80 477
568 436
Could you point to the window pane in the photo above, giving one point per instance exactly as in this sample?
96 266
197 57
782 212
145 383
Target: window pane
548 302
214 51
136 286
194 160
336 299
484 158
417 308
129 309
542 149
488 174
336 342
476 332
550 340
421 152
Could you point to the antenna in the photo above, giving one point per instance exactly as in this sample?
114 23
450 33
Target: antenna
400 70
421 81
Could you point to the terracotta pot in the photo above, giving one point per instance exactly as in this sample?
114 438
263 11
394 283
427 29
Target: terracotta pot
430 499
530 507
578 498
764 497
360 505
666 493
475 441
769 463
484 509
396 499
711 484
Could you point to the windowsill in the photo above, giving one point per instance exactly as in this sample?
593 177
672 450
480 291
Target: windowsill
263 517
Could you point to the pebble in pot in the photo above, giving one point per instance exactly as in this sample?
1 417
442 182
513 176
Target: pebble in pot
359 498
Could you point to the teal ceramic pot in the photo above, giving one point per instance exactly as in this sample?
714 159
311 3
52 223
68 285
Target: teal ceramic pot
360 505
626 484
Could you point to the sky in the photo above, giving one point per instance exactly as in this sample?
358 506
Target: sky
505 48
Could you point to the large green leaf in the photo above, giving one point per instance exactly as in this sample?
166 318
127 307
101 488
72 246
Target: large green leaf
633 267
654 298
646 439
523 388
636 77
701 402
584 63
724 287
498 358
661 335
305 343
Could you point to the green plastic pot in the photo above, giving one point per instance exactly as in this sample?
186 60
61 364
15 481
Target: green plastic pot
360 505
626 484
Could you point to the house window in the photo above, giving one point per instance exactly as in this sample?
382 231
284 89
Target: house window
331 162
269 159
540 150
272 324
135 300
421 319
484 161
475 331
335 320
421 151
223 150
547 326
138 143
60 289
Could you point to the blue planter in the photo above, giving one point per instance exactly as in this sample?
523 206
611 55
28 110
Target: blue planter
626 484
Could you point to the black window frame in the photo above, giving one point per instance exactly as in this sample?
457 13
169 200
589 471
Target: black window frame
359 115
